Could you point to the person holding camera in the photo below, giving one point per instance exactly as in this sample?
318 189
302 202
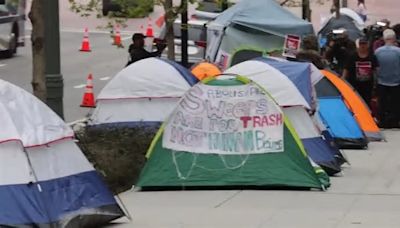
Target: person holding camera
137 52
339 49
360 70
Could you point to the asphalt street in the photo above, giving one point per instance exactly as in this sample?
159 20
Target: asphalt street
103 62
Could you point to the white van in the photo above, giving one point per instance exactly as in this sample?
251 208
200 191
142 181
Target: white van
12 25
197 40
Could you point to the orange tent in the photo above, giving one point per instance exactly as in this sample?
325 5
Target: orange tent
204 70
355 103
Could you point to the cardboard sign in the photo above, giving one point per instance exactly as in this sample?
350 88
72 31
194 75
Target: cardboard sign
223 60
291 46
225 120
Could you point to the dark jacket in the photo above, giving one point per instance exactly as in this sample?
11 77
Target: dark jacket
139 53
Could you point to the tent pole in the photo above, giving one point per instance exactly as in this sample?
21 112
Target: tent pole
127 214
36 182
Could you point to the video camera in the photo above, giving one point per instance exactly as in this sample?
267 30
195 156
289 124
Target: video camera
375 31
337 36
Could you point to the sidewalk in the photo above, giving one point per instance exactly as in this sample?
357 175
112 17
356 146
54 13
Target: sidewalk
367 195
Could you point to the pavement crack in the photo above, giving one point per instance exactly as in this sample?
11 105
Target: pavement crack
227 199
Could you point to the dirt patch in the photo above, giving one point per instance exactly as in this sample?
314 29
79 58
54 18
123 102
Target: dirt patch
118 153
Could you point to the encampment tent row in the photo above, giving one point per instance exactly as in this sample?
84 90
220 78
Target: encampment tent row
238 120
201 145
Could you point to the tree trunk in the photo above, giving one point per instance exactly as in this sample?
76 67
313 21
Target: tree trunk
38 55
224 5
337 8
169 23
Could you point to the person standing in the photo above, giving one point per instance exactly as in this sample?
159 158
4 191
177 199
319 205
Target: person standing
360 69
389 81
310 52
362 10
137 52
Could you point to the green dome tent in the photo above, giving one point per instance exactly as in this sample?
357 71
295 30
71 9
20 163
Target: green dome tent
228 133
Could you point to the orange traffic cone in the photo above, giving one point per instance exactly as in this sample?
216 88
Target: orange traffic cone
117 37
85 42
149 30
88 97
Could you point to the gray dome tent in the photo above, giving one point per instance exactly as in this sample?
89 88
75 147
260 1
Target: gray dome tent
348 19
257 25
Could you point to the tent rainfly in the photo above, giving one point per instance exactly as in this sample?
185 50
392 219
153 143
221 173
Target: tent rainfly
45 180
250 28
144 93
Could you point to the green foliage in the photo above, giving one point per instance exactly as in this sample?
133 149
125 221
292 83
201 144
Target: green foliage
134 8
128 9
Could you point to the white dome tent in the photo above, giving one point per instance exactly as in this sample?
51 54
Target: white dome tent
144 92
294 101
45 180
281 88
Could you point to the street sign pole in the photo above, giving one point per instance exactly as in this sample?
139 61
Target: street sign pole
54 79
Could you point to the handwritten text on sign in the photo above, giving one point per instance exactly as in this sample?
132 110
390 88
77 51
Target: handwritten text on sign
225 120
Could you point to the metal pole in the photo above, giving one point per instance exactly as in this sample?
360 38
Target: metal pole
54 79
184 34
306 10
